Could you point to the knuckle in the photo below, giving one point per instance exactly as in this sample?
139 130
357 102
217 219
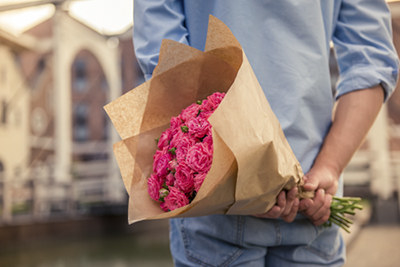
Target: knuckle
274 213
285 213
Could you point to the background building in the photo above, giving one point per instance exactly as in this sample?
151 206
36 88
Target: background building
55 124
56 140
14 137
60 189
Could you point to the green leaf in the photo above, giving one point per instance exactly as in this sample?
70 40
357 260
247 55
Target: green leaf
172 151
184 128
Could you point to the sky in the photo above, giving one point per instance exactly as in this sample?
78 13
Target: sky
106 16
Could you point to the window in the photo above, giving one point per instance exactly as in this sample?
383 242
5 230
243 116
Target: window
104 84
105 126
2 175
81 126
38 78
17 59
3 119
41 65
81 80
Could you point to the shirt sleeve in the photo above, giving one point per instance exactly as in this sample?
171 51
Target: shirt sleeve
363 42
155 20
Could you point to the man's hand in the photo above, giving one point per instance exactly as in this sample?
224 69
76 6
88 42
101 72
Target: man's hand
354 115
286 207
324 183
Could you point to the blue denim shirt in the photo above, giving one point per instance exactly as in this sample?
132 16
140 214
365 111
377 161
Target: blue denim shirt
287 43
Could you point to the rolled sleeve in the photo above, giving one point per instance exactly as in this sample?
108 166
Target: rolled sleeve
155 20
364 48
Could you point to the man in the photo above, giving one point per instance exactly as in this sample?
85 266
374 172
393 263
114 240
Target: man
287 43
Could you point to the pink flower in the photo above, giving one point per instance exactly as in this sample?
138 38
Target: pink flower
208 141
184 178
175 124
198 181
203 104
184 155
190 112
198 127
153 187
165 139
177 138
170 179
173 164
163 206
213 101
183 146
175 199
206 114
199 157
161 162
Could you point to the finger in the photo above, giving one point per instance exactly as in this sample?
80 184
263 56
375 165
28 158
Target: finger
324 219
305 204
318 202
295 207
273 213
322 215
292 194
276 211
310 183
290 198
281 202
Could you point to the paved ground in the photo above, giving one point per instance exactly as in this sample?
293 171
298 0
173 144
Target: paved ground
375 245
372 244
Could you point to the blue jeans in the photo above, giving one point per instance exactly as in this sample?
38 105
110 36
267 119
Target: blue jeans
220 240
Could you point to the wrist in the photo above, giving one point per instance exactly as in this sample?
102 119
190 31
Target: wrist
328 168
323 176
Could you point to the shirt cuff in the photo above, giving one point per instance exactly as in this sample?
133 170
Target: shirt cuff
363 78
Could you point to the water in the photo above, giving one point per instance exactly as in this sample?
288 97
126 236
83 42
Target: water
100 251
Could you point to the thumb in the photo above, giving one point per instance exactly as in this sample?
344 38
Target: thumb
310 183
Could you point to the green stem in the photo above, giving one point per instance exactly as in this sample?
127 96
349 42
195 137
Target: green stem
341 206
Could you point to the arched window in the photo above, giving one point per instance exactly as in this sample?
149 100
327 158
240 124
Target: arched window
80 82
81 123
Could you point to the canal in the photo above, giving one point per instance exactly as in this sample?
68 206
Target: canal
82 245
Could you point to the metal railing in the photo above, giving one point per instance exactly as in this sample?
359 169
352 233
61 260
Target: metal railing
40 197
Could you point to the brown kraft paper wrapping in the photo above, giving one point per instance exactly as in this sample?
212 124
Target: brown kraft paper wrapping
252 160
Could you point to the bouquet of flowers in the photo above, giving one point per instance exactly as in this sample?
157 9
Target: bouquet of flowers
235 162
184 155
